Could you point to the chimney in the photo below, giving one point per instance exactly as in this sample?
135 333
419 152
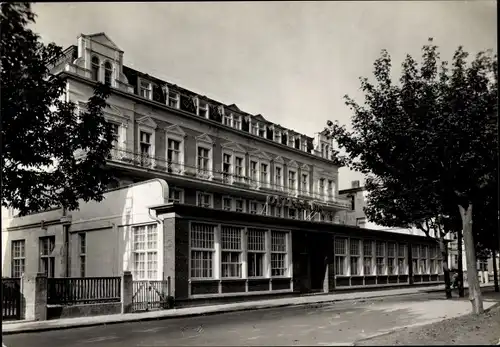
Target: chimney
355 184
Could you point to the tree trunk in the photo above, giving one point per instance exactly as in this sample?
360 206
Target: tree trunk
461 291
446 270
495 270
475 296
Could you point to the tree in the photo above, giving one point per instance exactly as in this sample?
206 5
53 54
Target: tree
51 154
433 134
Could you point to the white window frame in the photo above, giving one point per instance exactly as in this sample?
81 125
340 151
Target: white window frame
141 88
278 181
254 127
292 190
228 177
415 256
341 255
177 99
366 256
260 158
434 256
358 256
403 257
82 253
237 121
321 189
235 151
331 186
98 66
277 136
204 110
303 144
177 190
175 133
251 235
49 258
283 253
380 256
392 257
206 143
232 205
211 251
304 170
151 254
227 119
18 259
201 193
112 70
152 148
240 233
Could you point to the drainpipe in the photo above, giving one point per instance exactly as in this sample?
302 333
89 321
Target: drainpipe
65 219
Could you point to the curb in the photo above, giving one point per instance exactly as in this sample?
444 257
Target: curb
418 325
71 325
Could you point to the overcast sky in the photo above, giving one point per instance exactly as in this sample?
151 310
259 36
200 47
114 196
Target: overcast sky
292 62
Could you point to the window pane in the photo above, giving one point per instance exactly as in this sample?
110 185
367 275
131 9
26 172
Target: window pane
202 235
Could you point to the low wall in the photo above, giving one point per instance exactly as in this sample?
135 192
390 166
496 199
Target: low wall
73 311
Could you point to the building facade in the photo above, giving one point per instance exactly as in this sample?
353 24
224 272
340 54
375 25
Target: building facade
244 207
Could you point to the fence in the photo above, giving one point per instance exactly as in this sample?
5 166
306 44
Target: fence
150 295
11 298
88 290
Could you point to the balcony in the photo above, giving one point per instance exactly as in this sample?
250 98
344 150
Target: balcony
118 155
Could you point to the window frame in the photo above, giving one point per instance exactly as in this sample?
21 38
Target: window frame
171 166
50 257
147 251
203 141
178 190
109 70
205 109
358 256
82 253
149 89
286 272
168 93
232 203
294 189
95 71
240 251
199 194
262 253
212 251
21 258
337 242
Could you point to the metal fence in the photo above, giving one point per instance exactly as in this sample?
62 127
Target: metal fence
88 290
11 298
150 295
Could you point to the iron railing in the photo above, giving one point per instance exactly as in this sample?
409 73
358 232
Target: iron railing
182 169
87 290
11 298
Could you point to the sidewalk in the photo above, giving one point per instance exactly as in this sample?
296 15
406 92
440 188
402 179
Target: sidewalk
23 326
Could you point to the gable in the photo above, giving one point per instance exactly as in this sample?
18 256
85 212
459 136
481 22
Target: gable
175 130
260 154
293 163
103 39
305 167
279 159
233 147
148 122
204 138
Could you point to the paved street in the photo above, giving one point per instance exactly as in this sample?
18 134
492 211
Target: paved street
331 324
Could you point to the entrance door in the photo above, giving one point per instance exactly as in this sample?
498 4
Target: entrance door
318 251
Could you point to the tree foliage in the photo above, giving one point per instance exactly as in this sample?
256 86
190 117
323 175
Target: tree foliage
52 155
428 143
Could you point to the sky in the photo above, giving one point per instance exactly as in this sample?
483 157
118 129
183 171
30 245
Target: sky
292 62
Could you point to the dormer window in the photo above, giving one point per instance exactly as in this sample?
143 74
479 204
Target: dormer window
237 121
145 89
202 108
277 136
255 128
291 140
173 99
227 119
297 143
304 146
108 73
262 130
95 68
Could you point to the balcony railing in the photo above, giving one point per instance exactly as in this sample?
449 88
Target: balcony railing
206 174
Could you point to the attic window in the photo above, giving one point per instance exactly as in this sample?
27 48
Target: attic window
262 130
202 108
145 89
277 136
255 128
108 73
173 99
297 143
95 68
304 145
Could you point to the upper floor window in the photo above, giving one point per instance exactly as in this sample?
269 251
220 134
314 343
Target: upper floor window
175 195
278 177
203 159
145 89
237 121
95 68
202 108
264 174
291 140
115 128
331 189
255 128
226 166
227 119
174 151
108 73
292 180
204 200
305 183
253 171
173 99
145 143
277 136
262 130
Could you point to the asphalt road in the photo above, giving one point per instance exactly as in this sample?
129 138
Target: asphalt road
331 324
